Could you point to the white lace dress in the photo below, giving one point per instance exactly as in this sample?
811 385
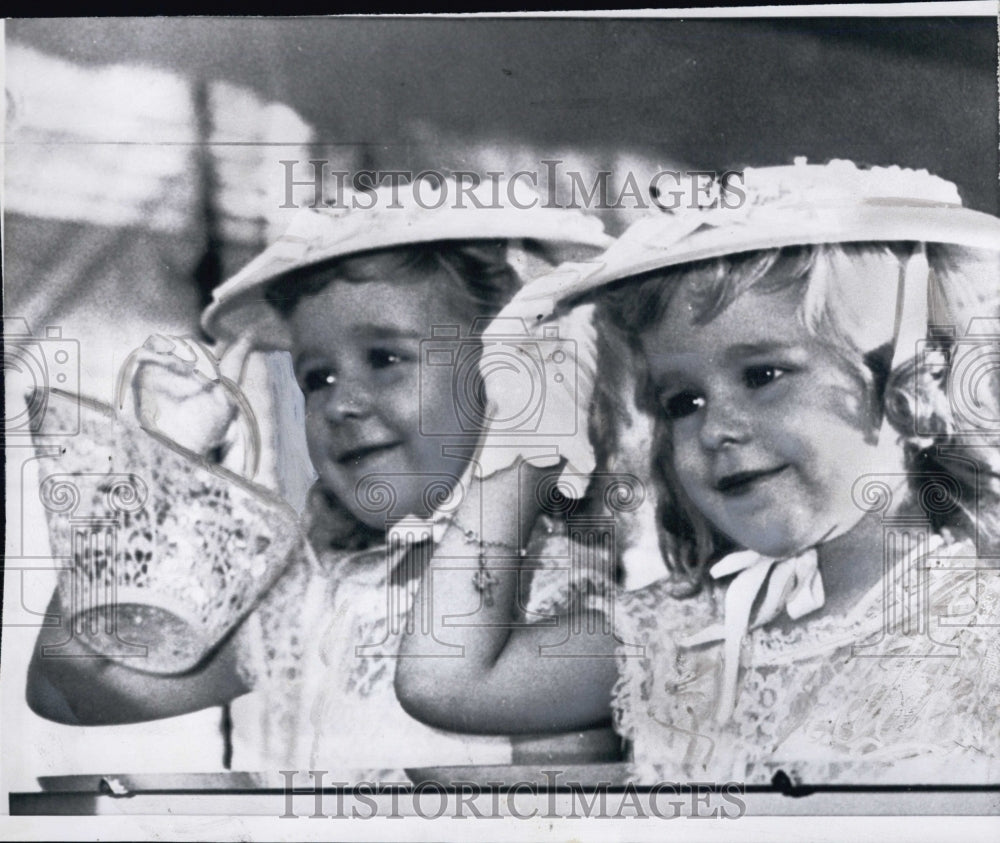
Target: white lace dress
320 652
830 699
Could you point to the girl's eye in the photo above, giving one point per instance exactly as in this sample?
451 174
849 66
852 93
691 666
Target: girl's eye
757 376
682 404
317 379
382 358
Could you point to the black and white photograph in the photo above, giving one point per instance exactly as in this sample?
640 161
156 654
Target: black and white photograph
573 423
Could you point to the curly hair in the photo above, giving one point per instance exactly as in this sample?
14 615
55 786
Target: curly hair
945 427
482 280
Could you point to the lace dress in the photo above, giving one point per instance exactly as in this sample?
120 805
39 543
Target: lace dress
830 699
320 653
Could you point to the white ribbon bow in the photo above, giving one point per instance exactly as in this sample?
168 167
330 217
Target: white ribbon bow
795 586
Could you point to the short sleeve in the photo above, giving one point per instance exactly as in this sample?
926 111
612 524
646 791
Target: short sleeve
657 680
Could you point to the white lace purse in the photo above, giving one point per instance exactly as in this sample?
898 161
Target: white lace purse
164 552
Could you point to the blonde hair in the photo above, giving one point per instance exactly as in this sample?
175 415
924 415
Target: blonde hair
918 397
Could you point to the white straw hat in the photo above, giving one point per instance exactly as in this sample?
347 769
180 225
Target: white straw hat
386 218
770 208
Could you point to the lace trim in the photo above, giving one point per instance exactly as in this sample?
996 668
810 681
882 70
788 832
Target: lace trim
191 537
307 662
809 705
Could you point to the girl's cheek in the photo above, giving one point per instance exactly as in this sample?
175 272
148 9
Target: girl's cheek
685 439
316 430
688 466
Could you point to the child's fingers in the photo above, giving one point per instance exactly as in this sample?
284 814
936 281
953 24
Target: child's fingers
169 378
189 355
159 344
157 354
177 353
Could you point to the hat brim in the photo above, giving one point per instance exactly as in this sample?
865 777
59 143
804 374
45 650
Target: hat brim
868 221
239 307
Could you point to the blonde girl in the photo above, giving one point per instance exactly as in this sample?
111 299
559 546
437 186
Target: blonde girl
820 369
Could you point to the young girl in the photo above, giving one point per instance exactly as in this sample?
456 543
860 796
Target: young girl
352 294
828 471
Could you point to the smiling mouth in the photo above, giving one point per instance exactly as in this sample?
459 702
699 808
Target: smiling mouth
743 482
358 455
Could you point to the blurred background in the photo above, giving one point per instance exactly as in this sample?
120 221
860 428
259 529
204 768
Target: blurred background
173 129
143 167
143 154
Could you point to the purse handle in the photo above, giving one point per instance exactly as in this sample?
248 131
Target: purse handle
227 370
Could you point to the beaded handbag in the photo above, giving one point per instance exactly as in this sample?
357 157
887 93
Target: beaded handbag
165 552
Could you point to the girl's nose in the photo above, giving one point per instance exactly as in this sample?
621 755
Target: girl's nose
725 423
348 400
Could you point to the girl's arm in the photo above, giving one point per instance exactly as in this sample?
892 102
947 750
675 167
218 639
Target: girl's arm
502 682
84 689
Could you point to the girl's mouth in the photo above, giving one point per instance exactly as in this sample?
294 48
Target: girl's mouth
744 482
355 456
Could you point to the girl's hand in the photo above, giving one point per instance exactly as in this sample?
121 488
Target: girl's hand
539 390
179 392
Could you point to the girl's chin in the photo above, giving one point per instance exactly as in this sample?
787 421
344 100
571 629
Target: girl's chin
393 512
